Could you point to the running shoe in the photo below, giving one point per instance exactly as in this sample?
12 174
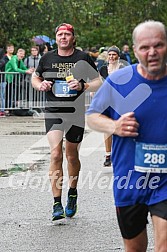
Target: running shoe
2 114
58 211
107 161
71 207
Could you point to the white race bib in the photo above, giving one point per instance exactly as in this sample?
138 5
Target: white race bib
61 89
151 157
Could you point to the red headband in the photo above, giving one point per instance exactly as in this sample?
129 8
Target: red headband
66 27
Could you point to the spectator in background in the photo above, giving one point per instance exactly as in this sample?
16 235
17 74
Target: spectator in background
93 53
102 58
44 48
4 59
17 65
9 53
125 55
33 59
49 46
2 85
31 62
1 57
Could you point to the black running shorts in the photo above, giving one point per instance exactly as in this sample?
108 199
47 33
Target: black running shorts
73 133
132 220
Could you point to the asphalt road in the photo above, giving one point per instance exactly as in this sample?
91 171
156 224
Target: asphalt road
26 198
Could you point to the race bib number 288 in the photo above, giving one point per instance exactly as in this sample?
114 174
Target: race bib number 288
151 157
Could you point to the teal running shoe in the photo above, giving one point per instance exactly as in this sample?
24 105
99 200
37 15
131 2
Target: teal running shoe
58 211
71 208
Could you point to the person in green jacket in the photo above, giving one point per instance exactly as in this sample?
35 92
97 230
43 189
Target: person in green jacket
15 65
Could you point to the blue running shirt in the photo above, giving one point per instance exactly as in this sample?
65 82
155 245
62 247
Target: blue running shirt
124 91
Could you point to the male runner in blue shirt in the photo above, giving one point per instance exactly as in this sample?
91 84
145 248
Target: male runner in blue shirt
135 99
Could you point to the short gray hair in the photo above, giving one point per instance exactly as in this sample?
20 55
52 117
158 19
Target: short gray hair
149 24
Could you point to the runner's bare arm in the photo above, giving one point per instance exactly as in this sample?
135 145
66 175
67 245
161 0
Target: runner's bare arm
125 126
94 84
39 84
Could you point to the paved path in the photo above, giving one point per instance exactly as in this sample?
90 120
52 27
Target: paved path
26 199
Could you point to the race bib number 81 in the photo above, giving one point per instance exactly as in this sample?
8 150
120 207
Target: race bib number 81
151 157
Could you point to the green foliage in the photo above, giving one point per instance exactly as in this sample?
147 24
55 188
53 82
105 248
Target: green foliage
100 22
